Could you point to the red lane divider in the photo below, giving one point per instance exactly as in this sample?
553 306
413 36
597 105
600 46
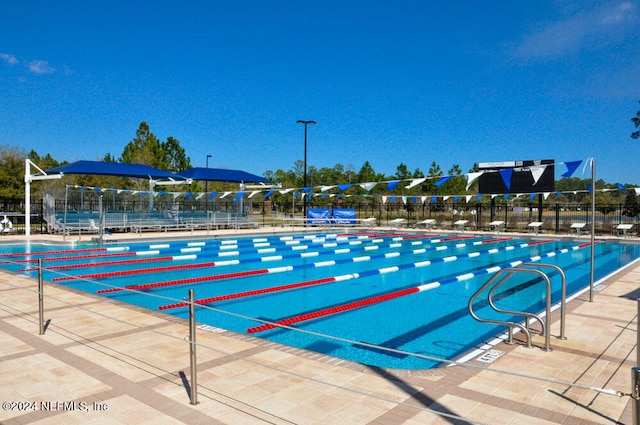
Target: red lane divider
188 281
64 251
250 293
388 235
106 263
185 281
358 233
400 293
332 310
78 257
280 288
120 273
431 235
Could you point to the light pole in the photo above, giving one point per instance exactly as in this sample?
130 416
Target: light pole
206 182
304 178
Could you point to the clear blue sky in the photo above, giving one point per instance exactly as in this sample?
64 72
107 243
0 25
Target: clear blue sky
387 82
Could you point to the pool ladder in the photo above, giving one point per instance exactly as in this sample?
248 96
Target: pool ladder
499 279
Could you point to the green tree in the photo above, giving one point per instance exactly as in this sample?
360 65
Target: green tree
298 171
12 171
429 186
457 184
605 202
402 172
46 162
630 204
350 173
173 156
144 149
366 173
147 149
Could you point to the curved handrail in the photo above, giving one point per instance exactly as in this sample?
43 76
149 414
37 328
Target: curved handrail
526 315
511 325
504 275
563 299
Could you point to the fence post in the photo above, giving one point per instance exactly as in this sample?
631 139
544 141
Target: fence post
635 394
40 298
192 349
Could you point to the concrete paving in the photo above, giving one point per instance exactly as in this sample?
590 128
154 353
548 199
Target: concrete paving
103 362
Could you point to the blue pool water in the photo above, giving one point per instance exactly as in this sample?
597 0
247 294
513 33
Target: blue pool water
438 274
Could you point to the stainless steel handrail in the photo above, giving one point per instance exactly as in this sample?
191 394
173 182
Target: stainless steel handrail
509 324
563 296
499 279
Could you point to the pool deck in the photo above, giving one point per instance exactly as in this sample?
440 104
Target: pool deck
103 362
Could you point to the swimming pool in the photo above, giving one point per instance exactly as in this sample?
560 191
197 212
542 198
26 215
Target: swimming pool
407 292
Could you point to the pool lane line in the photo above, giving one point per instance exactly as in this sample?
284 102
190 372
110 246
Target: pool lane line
281 269
192 249
120 273
64 251
166 258
218 243
407 291
149 252
349 276
155 249
212 244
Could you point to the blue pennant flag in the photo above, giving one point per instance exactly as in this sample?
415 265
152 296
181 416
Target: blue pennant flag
415 199
506 196
455 198
393 198
392 185
188 195
589 188
571 167
622 187
434 199
269 193
212 195
238 196
506 177
442 180
307 189
344 187
533 195
479 197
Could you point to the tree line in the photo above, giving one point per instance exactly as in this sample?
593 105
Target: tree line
146 148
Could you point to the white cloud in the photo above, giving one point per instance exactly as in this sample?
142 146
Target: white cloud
10 59
40 67
593 28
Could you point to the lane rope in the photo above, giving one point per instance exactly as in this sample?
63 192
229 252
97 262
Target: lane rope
400 293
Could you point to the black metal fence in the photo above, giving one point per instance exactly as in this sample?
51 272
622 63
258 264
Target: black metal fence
557 217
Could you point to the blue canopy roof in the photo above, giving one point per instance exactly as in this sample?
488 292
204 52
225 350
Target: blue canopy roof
114 169
222 175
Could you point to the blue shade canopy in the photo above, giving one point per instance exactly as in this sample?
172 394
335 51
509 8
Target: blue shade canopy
222 175
114 169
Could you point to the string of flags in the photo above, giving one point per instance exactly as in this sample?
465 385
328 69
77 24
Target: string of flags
323 191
